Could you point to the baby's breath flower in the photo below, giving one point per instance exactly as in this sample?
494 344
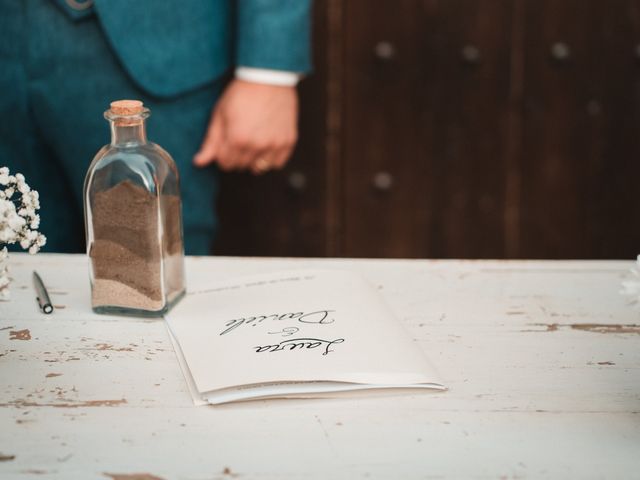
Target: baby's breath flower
16 223
4 176
19 221
631 287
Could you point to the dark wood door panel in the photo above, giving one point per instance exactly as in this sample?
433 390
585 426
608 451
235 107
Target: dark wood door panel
580 154
426 97
616 233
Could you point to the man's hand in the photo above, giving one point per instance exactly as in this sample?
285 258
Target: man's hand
253 127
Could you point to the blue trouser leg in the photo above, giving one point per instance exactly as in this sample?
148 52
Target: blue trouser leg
56 79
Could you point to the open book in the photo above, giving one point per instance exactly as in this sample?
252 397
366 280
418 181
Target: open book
302 333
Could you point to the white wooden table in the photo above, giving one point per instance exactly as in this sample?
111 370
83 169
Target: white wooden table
542 360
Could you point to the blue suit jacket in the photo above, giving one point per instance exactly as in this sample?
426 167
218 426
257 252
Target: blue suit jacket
169 47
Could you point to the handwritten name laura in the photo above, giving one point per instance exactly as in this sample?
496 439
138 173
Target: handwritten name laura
300 343
321 317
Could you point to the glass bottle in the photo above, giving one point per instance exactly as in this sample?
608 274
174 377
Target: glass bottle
133 220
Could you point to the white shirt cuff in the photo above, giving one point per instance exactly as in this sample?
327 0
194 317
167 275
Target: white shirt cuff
267 76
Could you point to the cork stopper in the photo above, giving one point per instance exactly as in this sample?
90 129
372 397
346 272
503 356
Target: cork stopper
127 107
126 113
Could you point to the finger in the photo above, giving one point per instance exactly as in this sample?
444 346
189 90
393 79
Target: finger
235 156
224 158
243 157
211 144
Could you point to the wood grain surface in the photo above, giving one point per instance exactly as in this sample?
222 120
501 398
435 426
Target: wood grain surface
541 358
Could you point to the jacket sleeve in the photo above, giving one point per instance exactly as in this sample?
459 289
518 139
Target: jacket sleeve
274 34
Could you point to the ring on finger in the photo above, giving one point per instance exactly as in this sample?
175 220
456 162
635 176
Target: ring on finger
261 165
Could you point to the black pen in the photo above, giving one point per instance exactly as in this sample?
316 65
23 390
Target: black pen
42 296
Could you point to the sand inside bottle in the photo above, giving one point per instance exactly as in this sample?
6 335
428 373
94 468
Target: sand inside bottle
127 251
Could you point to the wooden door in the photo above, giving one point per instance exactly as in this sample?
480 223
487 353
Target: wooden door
427 97
457 128
580 195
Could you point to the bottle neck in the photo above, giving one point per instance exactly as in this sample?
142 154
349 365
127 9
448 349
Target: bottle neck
127 134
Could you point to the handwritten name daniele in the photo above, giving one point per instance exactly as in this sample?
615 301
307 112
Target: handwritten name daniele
321 317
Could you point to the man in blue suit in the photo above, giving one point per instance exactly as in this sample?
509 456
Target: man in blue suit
63 61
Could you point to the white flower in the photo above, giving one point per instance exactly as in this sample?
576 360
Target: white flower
6 206
19 221
632 287
7 235
16 223
30 200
